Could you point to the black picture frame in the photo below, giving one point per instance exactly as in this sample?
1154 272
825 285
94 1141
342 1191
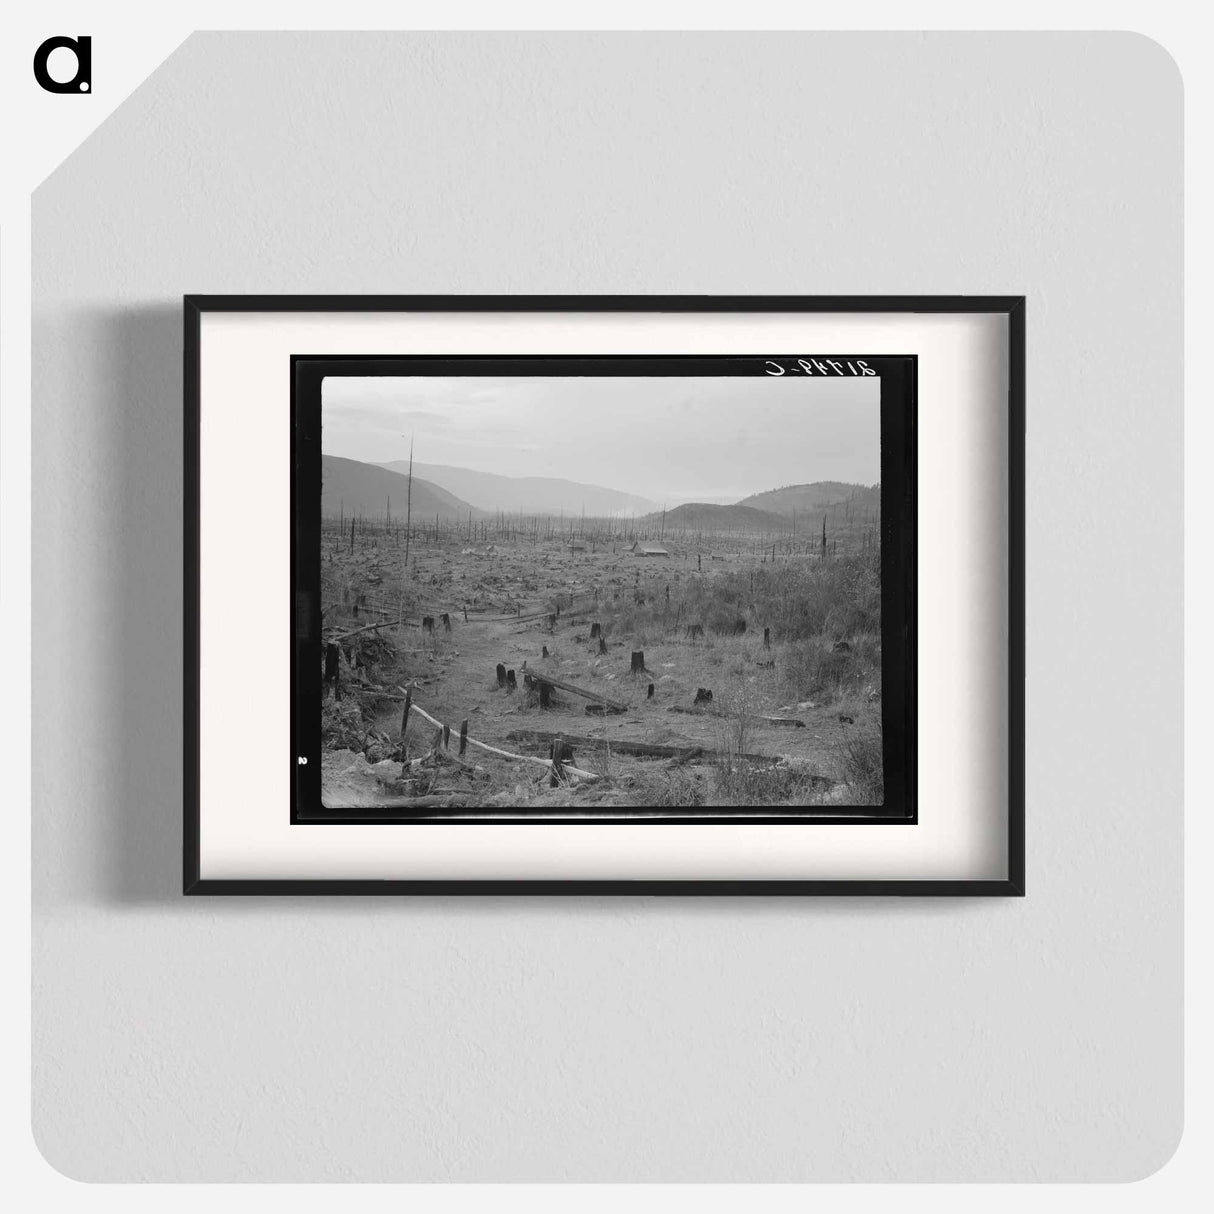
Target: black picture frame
897 378
1011 307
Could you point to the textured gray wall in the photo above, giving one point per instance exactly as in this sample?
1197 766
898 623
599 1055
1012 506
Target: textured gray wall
628 1039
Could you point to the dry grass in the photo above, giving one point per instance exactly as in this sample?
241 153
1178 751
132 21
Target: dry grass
861 761
669 786
814 669
808 605
798 600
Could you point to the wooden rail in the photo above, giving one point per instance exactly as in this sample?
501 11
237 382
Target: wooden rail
506 754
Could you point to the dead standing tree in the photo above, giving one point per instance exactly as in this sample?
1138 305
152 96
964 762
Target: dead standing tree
408 522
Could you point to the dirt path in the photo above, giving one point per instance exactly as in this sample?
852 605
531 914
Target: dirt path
457 680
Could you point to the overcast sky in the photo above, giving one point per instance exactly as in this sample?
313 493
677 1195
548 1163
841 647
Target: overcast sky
670 440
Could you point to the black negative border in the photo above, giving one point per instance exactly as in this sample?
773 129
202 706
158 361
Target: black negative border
1012 307
897 378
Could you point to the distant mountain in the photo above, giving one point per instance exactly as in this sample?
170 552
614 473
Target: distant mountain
816 498
702 516
527 494
351 487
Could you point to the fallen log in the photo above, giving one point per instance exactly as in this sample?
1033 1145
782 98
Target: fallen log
505 619
378 692
440 800
792 722
579 691
345 636
648 750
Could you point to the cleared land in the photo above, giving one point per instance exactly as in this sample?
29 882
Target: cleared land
794 717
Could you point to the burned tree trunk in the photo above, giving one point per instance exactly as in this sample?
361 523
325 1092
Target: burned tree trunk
501 675
596 630
560 754
511 681
332 665
545 696
649 694
602 646
446 618
638 662
766 638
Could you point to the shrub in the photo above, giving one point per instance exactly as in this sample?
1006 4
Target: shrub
861 760
837 598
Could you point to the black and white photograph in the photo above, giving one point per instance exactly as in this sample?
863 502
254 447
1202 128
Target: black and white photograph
607 594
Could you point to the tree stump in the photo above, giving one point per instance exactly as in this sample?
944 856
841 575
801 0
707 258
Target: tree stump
596 630
404 719
332 664
446 737
428 624
766 638
511 681
446 618
545 652
463 736
545 695
560 754
649 694
551 621
638 662
602 646
501 675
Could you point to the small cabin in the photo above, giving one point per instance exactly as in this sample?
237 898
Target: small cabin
652 550
576 546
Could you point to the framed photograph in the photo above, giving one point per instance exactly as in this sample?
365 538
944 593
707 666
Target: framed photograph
616 594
